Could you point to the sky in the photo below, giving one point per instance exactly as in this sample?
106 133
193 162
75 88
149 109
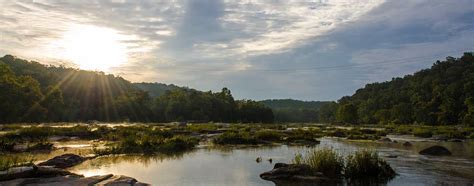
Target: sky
308 50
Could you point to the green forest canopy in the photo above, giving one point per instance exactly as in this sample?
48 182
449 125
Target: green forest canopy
33 92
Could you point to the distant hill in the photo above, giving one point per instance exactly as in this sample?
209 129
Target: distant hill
290 110
292 104
440 95
34 92
155 89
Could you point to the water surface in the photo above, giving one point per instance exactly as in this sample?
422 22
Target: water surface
237 166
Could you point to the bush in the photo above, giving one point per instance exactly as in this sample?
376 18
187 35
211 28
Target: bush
363 137
451 132
268 135
235 138
367 164
324 160
422 133
403 129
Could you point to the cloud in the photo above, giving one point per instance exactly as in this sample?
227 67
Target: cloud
306 49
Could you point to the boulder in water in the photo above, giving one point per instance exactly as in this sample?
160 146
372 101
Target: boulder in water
293 173
64 161
436 151
407 144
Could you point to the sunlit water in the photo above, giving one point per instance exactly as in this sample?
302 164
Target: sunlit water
237 166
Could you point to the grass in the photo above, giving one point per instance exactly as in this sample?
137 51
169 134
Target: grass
422 133
359 165
234 138
367 164
7 162
268 135
324 160
149 145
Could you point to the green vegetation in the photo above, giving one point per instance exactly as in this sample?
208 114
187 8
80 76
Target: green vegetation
7 161
367 164
234 138
32 92
422 133
289 110
324 160
149 145
359 165
441 95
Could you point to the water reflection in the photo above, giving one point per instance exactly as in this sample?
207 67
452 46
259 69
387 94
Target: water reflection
237 165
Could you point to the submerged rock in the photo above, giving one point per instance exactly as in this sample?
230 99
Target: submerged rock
436 151
407 144
64 161
385 139
283 174
391 156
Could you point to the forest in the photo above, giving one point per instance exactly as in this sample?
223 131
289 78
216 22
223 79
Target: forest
33 92
441 95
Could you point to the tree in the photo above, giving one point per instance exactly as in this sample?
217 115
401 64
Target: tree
347 113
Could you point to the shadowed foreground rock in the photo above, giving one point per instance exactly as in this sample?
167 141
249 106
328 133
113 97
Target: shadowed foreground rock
436 151
295 174
65 161
54 176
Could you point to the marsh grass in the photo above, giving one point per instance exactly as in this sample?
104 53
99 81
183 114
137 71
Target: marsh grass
367 164
363 164
324 160
7 162
268 135
148 145
235 138
422 132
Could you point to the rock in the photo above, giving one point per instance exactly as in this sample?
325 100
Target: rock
33 171
407 144
295 172
67 178
391 156
455 140
436 151
120 180
64 161
385 139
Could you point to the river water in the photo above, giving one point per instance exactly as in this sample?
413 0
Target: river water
237 165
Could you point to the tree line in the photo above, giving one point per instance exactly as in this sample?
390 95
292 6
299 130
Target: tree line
441 95
33 92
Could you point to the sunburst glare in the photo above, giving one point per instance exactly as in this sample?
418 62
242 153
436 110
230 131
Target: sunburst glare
92 48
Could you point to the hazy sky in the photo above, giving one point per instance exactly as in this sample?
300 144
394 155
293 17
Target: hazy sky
310 50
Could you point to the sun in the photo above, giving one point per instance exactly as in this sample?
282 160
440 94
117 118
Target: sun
92 47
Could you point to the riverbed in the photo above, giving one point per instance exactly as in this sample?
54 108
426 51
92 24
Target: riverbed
237 165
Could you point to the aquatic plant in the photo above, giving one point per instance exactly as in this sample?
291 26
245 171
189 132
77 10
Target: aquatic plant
233 137
363 164
7 162
422 132
367 164
268 135
324 160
